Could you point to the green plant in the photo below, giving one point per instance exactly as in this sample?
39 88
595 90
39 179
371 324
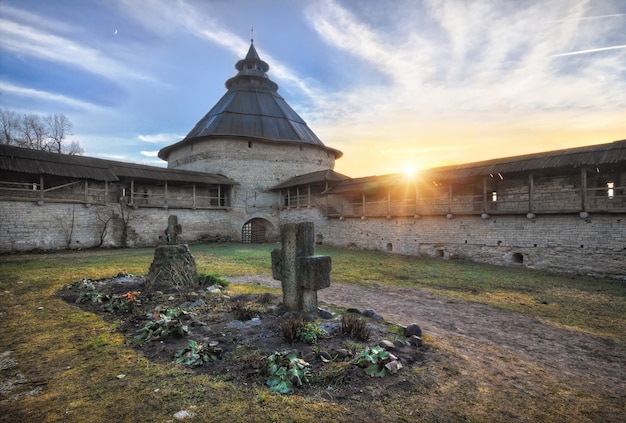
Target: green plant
162 326
354 326
87 291
352 347
311 332
197 354
127 302
287 371
377 362
208 279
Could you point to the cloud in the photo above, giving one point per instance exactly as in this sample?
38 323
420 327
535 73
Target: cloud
160 138
25 38
6 87
154 153
474 60
118 157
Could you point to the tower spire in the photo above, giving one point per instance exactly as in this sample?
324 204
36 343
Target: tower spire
252 35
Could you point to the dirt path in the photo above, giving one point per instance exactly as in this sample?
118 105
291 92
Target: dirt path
488 338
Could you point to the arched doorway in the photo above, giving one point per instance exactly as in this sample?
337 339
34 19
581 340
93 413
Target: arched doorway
255 230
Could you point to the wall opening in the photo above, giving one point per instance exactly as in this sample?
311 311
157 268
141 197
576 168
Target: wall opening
517 258
389 246
319 239
255 231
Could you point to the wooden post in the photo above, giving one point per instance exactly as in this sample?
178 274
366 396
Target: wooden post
193 196
363 204
86 190
165 197
308 203
583 189
106 191
41 187
298 197
531 192
132 191
484 193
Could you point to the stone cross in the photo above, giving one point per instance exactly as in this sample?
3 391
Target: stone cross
173 230
301 272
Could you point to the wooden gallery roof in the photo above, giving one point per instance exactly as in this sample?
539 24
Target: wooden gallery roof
608 157
23 160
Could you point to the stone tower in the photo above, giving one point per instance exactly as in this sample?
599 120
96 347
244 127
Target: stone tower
254 137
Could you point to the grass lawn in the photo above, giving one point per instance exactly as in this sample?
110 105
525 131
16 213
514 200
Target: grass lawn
71 361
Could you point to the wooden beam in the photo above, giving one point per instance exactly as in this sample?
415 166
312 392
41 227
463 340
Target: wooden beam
583 189
531 191
132 191
484 194
165 196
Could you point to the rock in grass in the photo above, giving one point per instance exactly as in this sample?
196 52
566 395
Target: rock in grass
413 329
183 414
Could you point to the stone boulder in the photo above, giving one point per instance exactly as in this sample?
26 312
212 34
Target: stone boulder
173 269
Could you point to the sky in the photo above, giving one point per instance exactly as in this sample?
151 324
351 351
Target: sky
393 84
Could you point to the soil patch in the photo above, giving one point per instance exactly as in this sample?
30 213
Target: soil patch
242 347
497 362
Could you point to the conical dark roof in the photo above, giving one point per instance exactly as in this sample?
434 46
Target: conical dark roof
252 108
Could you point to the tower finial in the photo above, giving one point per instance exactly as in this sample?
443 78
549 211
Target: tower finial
252 35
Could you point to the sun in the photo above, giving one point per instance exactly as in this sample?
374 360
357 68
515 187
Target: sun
410 170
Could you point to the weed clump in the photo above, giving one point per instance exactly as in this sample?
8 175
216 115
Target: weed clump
290 328
334 374
209 279
355 327
247 311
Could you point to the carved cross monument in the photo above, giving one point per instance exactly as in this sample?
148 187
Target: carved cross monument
301 272
173 266
173 230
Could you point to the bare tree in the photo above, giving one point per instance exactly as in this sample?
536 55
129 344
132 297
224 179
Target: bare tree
10 122
104 218
33 132
49 133
73 149
58 127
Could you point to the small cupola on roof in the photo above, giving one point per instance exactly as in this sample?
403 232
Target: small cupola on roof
252 109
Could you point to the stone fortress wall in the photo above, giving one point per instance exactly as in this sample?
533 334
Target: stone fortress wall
559 243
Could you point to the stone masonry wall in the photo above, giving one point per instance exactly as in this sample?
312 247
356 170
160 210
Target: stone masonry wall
26 226
563 243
